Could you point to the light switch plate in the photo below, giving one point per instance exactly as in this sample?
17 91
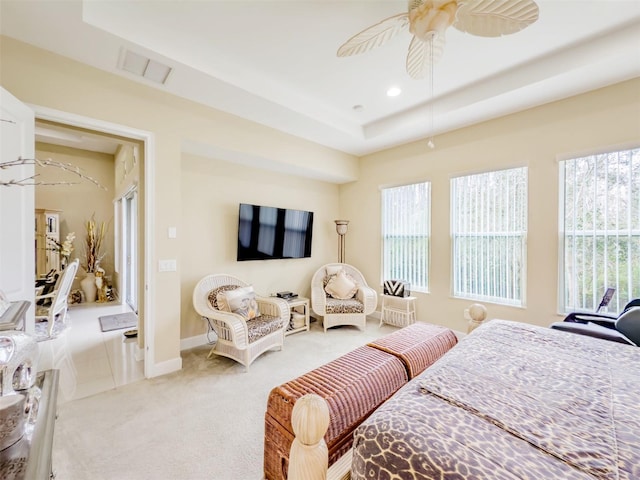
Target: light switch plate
167 265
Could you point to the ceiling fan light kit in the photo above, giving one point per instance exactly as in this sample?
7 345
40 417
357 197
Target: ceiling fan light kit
428 21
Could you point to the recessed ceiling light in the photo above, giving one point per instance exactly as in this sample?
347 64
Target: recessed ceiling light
393 91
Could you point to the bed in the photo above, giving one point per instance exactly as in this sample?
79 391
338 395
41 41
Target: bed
511 401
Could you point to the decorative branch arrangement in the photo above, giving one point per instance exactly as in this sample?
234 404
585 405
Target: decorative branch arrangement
93 244
31 181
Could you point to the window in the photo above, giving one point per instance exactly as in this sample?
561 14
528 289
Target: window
600 229
489 230
405 234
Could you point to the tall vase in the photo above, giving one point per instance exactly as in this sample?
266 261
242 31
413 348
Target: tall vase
88 285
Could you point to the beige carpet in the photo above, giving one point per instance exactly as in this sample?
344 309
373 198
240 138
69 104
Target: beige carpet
204 422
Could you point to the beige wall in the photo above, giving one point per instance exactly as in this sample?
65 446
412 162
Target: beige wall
534 138
44 79
200 196
78 202
211 193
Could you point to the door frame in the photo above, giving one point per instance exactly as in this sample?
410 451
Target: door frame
148 138
124 206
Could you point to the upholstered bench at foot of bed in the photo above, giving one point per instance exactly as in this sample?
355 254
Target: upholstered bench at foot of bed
418 345
353 385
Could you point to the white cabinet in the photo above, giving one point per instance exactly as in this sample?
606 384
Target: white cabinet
47 241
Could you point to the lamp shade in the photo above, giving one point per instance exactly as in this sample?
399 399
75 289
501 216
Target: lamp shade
341 226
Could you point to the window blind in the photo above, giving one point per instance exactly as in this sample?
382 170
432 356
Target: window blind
405 234
489 228
600 228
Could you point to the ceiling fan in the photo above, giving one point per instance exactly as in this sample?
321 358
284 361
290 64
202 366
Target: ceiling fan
428 21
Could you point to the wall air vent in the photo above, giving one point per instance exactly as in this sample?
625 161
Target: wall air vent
144 67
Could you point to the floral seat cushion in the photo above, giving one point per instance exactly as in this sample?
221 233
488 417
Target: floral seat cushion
335 306
262 326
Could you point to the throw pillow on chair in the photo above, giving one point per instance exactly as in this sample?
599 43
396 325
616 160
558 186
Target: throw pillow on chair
341 286
241 301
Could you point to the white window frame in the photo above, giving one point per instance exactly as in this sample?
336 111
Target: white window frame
588 301
505 285
402 225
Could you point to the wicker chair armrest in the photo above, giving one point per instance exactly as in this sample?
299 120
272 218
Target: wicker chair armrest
369 298
276 307
318 299
205 310
233 320
229 326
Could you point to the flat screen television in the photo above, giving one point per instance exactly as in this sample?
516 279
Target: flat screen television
268 233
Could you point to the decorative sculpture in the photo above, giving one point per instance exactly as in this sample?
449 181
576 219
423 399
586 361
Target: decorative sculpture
309 455
101 284
477 313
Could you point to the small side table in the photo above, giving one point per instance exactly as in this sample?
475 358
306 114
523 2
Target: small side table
298 305
398 311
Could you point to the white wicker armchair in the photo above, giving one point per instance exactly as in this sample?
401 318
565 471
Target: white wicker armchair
336 312
239 339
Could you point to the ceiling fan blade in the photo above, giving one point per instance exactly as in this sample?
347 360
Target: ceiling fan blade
493 18
374 36
419 59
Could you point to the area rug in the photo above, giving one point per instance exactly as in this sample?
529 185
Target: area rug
41 331
118 321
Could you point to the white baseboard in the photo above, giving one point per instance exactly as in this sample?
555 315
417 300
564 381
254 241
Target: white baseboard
192 342
168 366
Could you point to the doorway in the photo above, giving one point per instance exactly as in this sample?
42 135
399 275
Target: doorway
141 282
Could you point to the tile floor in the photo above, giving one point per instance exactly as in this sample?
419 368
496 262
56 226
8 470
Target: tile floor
91 361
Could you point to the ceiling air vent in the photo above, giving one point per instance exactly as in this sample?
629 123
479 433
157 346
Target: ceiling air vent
144 67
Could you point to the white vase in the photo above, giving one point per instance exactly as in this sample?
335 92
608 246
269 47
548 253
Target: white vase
88 285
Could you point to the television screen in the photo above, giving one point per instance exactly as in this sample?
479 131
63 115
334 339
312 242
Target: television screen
266 233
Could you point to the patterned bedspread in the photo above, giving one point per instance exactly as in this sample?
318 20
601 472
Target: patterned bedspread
511 401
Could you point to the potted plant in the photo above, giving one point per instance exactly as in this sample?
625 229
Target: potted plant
64 249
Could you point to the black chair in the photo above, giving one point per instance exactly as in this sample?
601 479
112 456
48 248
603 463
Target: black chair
47 285
622 329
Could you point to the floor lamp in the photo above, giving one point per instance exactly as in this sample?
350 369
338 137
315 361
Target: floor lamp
341 228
